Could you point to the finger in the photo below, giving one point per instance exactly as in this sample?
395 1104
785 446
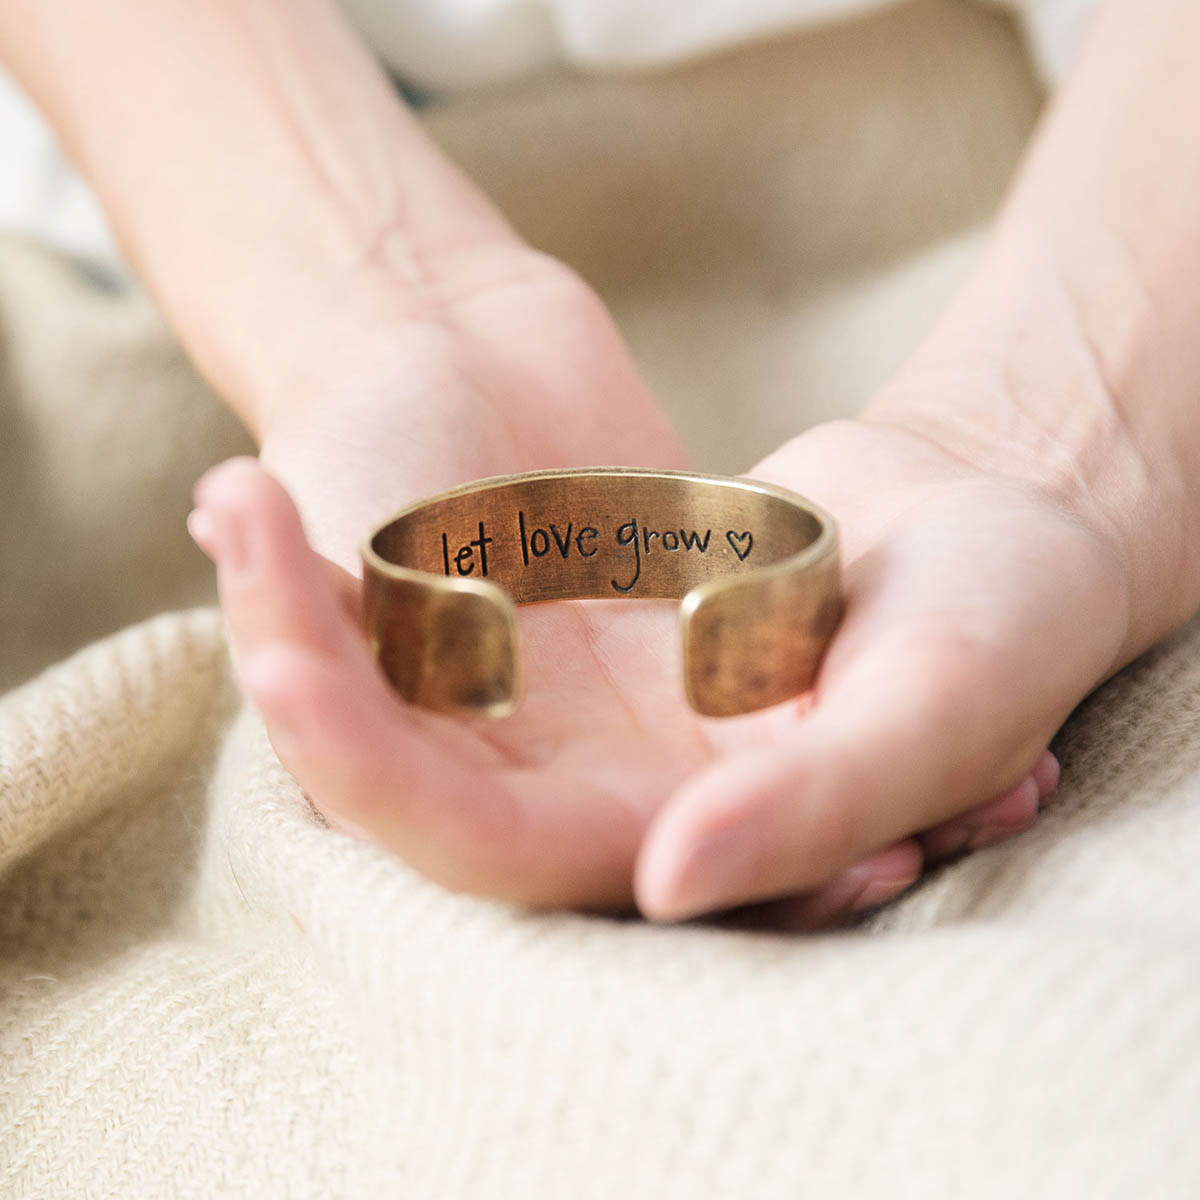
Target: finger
349 744
859 889
339 729
995 821
347 591
424 786
461 818
1047 774
999 819
272 585
870 765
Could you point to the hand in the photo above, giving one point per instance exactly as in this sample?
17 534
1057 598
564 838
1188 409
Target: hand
553 805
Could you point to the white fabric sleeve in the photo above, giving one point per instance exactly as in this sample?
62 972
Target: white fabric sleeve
1055 29
451 44
41 195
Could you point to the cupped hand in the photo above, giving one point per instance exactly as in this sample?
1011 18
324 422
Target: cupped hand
979 612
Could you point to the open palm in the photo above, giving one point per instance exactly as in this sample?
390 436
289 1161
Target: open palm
604 784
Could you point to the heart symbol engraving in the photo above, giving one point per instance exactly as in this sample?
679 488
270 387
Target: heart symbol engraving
738 540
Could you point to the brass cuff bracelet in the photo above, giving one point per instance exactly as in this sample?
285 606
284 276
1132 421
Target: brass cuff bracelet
756 567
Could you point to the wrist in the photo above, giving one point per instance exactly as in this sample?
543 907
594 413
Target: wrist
374 328
325 307
252 210
1012 382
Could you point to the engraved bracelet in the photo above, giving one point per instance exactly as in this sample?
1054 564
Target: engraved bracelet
755 565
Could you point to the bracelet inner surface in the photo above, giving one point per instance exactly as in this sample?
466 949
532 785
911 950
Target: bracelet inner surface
597 535
756 566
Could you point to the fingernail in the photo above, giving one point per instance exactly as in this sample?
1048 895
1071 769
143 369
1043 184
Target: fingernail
222 536
850 894
839 897
879 891
706 876
1047 774
855 895
203 530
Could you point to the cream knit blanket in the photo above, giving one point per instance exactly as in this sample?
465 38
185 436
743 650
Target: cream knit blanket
206 993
